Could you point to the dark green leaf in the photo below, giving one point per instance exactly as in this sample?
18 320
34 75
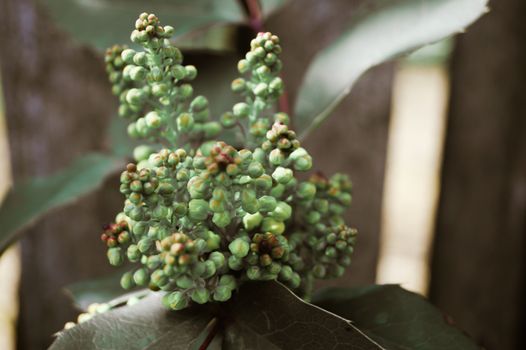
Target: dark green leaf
27 201
395 318
377 32
102 23
92 291
268 316
145 325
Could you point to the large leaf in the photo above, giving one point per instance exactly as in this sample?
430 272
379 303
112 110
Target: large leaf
268 316
102 23
27 201
395 318
263 315
145 325
378 31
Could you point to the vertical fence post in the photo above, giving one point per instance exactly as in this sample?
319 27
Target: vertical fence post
478 270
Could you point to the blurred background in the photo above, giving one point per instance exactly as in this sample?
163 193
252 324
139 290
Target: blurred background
435 144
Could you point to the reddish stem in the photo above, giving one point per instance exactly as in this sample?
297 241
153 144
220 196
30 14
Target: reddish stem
210 336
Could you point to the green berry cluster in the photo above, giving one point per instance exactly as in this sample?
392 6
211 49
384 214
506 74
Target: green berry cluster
202 217
154 87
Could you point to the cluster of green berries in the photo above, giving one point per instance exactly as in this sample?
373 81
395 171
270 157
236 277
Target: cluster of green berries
198 221
154 90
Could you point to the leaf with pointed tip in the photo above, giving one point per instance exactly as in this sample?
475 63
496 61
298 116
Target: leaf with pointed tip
378 31
395 318
145 325
27 201
102 23
266 315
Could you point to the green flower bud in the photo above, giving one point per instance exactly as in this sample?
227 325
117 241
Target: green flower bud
243 66
211 129
295 281
137 73
221 219
276 157
185 91
255 169
249 202
145 244
184 282
241 110
199 104
319 271
200 295
159 278
115 256
260 89
135 96
267 203
306 190
254 272
238 85
228 120
178 72
127 55
198 209
282 212
142 152
140 277
282 175
153 120
197 187
185 122
331 252
228 281
213 241
264 182
133 253
239 247
210 269
127 281
251 221
286 272
218 258
222 293
176 300
272 226
140 58
191 72
313 217
235 263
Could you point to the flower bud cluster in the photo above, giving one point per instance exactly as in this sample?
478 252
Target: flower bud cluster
200 220
261 87
154 87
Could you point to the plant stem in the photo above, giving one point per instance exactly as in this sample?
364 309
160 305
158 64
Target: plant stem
214 325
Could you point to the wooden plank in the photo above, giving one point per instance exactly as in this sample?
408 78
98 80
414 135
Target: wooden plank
478 265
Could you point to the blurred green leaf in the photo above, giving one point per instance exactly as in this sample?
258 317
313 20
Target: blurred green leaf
27 201
377 32
103 23
395 318
100 290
